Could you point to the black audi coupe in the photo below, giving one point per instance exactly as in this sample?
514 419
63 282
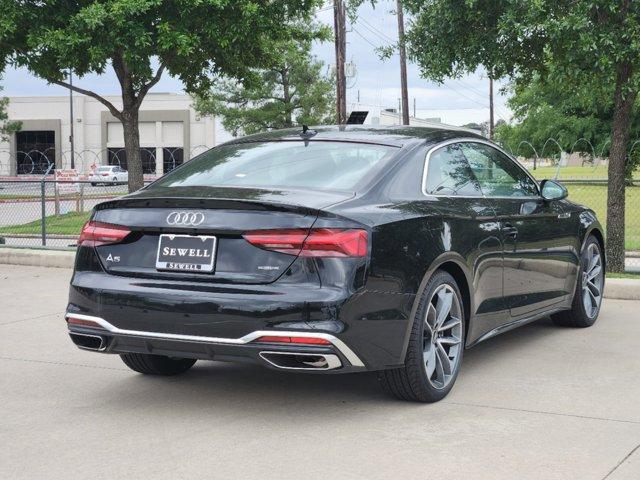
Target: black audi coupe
335 250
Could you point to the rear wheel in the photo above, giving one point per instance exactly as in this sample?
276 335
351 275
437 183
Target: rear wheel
435 347
589 289
156 364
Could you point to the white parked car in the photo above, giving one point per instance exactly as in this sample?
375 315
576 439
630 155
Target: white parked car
108 174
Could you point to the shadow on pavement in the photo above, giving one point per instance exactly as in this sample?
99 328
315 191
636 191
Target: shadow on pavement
236 387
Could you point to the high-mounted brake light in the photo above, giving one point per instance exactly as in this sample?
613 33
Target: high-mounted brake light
95 234
317 242
300 340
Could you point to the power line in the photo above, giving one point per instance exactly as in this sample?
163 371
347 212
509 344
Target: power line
363 37
377 32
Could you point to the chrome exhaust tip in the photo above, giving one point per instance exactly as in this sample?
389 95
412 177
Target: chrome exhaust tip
301 361
85 341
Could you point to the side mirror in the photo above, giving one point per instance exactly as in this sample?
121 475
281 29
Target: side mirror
552 190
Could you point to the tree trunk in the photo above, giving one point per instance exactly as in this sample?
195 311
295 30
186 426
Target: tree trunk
624 98
288 120
132 149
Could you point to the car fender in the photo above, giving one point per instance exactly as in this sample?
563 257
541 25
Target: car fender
443 258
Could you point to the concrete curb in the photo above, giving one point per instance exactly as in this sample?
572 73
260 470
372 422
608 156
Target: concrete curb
37 258
619 288
622 288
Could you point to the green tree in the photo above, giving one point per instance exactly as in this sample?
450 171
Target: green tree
588 45
578 120
292 91
6 127
193 40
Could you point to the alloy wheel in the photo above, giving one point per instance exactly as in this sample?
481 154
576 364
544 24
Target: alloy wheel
592 280
442 336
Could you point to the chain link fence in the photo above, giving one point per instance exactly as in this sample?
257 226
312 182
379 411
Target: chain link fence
49 213
36 210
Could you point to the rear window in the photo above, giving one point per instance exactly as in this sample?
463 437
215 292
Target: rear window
105 169
293 164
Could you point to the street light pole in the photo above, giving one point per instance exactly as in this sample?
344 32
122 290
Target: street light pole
73 163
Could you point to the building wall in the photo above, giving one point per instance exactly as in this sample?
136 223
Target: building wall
166 120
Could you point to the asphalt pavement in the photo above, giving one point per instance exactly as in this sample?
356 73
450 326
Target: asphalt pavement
540 402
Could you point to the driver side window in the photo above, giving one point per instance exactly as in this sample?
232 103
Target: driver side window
497 174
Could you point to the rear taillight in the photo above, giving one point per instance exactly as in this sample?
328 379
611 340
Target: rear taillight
317 242
299 340
95 234
105 174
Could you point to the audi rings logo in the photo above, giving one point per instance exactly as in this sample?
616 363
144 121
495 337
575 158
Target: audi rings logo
185 219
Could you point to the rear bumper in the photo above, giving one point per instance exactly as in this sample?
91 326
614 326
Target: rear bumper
220 321
340 358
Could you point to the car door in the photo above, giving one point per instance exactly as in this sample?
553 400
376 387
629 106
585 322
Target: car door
469 229
536 233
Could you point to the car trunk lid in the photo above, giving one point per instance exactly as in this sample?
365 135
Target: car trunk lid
223 213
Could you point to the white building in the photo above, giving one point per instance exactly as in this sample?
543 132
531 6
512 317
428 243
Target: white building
170 132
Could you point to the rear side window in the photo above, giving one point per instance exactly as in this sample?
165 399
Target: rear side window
448 173
294 164
497 174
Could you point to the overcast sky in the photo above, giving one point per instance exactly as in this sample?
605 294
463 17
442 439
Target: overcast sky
377 82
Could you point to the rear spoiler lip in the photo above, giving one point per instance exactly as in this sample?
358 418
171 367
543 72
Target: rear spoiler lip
221 203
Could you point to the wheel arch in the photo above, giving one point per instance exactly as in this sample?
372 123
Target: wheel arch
454 265
597 233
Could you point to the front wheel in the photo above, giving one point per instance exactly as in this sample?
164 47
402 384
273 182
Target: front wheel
435 346
156 364
587 299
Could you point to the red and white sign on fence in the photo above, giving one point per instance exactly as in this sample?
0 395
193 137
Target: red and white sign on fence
70 176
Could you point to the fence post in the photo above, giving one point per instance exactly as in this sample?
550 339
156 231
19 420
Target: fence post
81 201
43 212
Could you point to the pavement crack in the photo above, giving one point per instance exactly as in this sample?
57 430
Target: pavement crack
62 364
543 412
32 318
621 462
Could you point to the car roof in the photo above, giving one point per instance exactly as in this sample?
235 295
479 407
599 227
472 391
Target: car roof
393 135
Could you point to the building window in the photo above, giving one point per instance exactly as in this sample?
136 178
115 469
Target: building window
118 156
172 158
35 151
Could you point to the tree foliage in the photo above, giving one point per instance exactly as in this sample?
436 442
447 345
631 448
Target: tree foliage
584 45
292 91
6 127
193 40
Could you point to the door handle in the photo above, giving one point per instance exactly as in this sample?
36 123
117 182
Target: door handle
509 230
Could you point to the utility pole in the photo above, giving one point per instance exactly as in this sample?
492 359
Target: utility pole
340 29
414 107
491 108
73 163
403 64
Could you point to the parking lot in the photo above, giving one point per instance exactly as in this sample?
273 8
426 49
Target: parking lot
540 402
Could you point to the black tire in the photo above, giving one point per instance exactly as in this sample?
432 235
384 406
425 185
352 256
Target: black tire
93 184
115 179
578 317
411 382
156 364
